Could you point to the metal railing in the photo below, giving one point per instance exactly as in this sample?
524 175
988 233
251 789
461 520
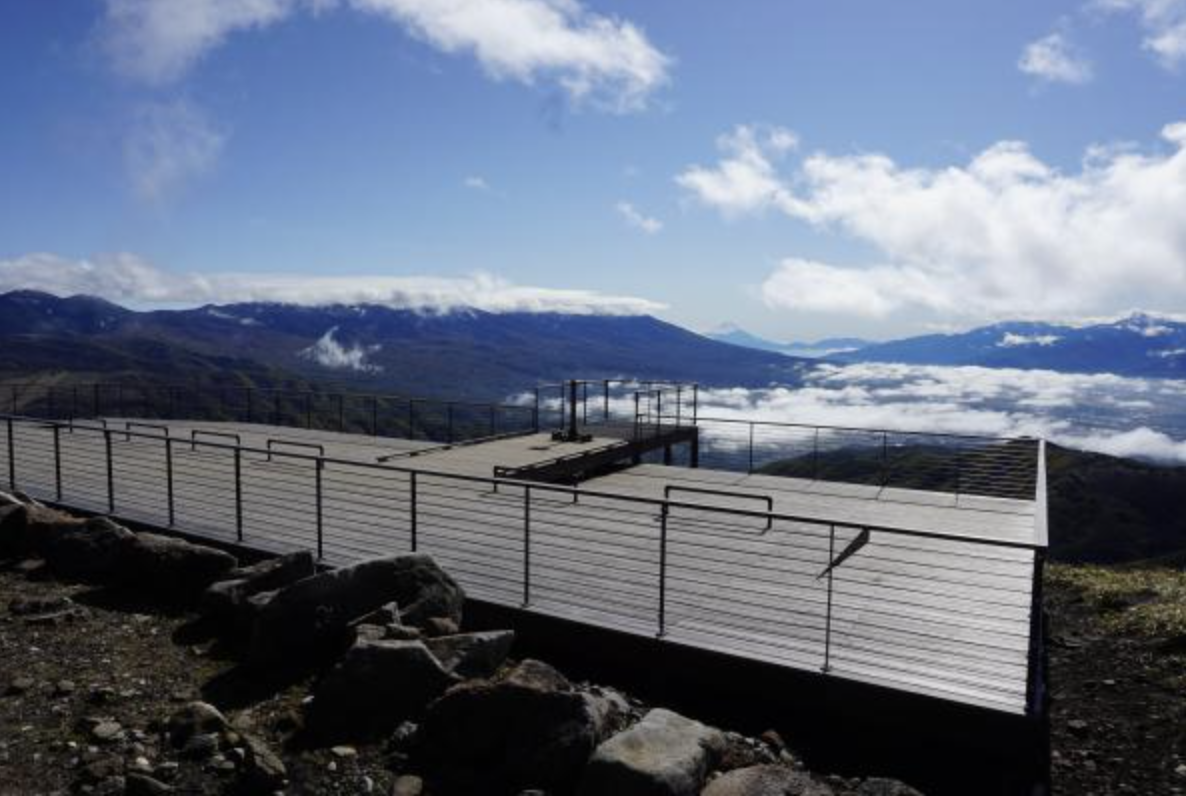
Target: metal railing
957 464
617 401
376 414
763 584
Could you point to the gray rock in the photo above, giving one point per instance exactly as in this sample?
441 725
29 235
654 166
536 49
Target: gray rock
262 770
144 785
767 780
440 626
173 568
408 785
195 718
229 600
107 731
665 754
377 685
472 654
528 728
112 786
25 530
93 551
24 606
310 619
200 747
383 615
20 685
879 786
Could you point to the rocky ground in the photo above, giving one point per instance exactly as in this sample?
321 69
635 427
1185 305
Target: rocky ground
105 691
1117 680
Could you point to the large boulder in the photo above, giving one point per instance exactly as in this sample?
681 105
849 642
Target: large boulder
665 754
25 529
472 654
527 729
311 619
229 601
376 686
93 551
172 568
766 780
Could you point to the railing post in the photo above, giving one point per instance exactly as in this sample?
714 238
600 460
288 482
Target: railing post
169 478
815 456
637 419
58 462
751 447
239 493
320 520
412 510
605 399
828 620
11 458
526 546
663 512
110 472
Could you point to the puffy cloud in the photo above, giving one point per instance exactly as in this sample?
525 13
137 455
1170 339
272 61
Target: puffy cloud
1003 235
605 60
1054 59
634 218
745 180
168 145
1164 22
128 278
329 353
1128 417
475 183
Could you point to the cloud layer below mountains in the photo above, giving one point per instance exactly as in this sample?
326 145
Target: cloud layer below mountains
130 279
1098 412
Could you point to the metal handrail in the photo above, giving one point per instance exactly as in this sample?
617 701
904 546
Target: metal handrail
272 443
667 490
570 491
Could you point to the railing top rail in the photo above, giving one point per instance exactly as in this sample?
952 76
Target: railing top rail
571 491
282 390
941 434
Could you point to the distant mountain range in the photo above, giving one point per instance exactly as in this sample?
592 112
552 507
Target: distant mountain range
464 354
1137 345
830 346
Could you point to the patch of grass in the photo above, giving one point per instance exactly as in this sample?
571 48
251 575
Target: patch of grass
1150 603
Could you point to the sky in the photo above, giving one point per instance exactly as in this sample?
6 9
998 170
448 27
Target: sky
802 169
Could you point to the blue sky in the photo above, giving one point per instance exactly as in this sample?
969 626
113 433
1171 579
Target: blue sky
802 169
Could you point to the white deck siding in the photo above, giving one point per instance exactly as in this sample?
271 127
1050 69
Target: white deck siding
947 617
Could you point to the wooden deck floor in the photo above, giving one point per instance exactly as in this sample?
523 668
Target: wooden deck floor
948 618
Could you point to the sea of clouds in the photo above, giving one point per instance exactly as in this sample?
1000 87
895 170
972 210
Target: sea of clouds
1141 418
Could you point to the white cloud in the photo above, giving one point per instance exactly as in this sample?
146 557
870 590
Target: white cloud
745 180
157 41
329 353
128 278
1005 235
1128 417
475 183
1012 340
601 59
167 145
1164 22
1053 58
631 215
